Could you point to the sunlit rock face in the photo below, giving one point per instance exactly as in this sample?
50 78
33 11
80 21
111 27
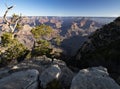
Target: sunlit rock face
50 74
93 78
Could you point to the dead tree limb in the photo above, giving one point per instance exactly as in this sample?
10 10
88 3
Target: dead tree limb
8 22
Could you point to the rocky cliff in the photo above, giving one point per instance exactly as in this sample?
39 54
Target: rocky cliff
102 48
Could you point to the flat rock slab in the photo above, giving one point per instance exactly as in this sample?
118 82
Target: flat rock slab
21 80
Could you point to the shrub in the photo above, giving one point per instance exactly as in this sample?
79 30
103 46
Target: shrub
13 49
42 48
14 52
57 40
7 39
41 31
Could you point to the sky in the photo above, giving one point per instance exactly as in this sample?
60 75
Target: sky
99 8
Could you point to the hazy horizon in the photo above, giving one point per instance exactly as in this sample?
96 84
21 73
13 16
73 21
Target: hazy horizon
63 8
62 16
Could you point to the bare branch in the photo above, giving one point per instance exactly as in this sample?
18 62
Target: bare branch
16 22
9 23
5 17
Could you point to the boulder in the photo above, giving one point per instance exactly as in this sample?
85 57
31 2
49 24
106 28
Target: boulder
38 63
59 62
93 78
66 77
57 72
66 74
50 74
21 80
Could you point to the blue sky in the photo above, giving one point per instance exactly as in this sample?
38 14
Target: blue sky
63 7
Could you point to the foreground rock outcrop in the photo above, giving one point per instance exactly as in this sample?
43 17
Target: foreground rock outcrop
21 80
93 78
43 73
47 73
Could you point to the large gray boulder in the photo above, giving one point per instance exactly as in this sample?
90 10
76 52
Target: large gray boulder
38 63
93 78
66 77
46 67
50 74
21 80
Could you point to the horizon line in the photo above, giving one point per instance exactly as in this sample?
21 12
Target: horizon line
63 16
